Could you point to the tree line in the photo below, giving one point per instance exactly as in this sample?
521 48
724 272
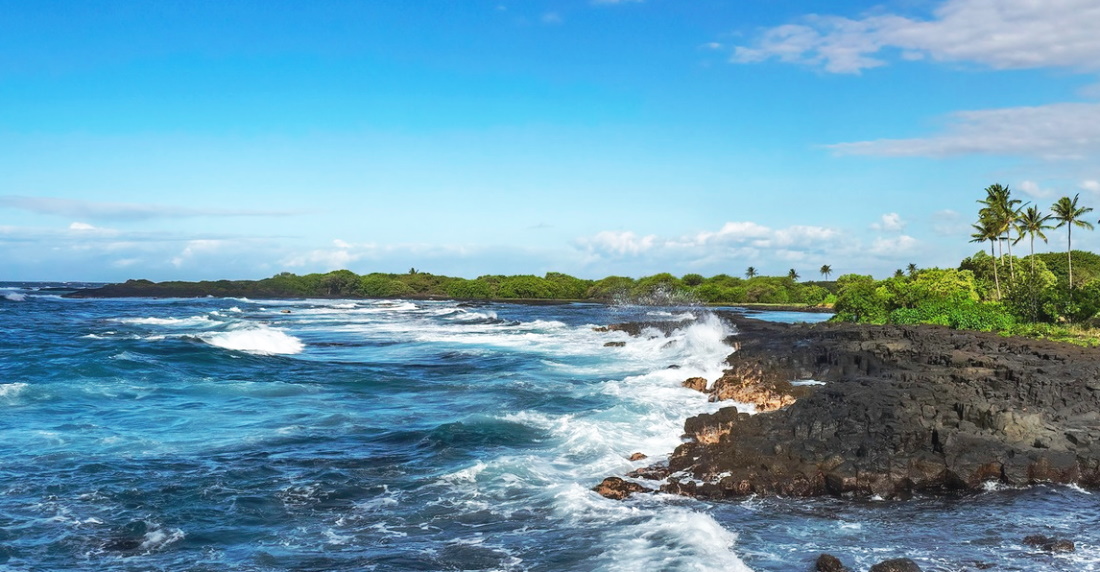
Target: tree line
1034 294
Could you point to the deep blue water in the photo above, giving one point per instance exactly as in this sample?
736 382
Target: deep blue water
235 434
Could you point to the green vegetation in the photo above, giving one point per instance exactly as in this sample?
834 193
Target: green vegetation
657 289
1050 296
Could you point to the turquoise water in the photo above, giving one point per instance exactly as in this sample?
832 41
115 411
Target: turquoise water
238 434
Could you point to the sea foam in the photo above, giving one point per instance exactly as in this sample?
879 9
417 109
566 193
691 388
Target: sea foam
15 296
261 340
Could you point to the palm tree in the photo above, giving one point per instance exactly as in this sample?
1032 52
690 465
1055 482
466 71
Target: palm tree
899 273
912 269
1005 210
1032 223
1068 214
792 274
826 270
987 229
750 272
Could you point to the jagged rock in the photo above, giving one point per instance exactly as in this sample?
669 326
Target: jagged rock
614 344
696 383
904 409
618 489
1049 544
638 456
896 565
829 563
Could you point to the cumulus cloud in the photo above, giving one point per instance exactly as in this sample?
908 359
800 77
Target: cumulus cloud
619 243
894 246
123 211
1003 34
889 222
1092 186
1032 189
1056 131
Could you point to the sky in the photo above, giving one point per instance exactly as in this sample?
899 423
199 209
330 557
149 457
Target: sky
188 140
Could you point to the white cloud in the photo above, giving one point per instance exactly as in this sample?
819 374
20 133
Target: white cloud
894 246
123 211
619 243
81 226
1032 189
949 223
890 222
1000 34
1056 131
340 243
195 248
1092 186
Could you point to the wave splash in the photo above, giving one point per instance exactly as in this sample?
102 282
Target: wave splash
255 339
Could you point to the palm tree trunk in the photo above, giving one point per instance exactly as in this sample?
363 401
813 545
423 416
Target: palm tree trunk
996 279
1011 266
1069 253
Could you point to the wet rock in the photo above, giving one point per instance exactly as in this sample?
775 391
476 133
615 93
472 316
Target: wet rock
618 489
638 456
651 473
696 383
896 565
904 409
614 344
1049 544
829 563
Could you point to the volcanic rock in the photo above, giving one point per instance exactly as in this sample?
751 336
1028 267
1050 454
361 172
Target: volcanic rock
903 409
896 565
1049 544
618 489
829 563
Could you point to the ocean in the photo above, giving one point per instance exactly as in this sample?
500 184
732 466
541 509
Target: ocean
238 434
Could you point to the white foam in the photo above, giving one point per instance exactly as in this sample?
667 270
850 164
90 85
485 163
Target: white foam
11 390
678 539
178 322
807 382
256 339
15 296
159 538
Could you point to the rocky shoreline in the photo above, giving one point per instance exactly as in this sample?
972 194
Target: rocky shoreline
901 410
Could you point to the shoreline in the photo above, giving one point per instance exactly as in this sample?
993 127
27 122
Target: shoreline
894 410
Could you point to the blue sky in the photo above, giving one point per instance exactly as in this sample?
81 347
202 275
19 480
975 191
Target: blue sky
205 140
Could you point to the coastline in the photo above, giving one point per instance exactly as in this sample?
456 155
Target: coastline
891 411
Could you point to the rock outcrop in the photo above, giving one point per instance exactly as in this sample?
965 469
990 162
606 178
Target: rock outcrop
903 409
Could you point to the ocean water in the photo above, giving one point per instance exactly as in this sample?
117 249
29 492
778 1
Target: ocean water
236 434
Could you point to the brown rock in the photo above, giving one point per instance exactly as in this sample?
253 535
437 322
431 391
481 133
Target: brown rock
638 456
829 563
696 383
614 344
618 489
1049 544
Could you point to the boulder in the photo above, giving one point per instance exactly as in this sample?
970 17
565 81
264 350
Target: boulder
618 489
896 565
829 563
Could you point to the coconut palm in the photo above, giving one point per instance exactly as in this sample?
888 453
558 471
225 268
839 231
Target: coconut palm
1005 210
899 273
793 275
826 270
750 272
1068 214
912 270
1032 223
987 230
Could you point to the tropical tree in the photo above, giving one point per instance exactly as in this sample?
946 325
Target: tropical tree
987 230
912 270
899 273
1068 214
1032 223
826 270
751 272
1004 211
793 275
